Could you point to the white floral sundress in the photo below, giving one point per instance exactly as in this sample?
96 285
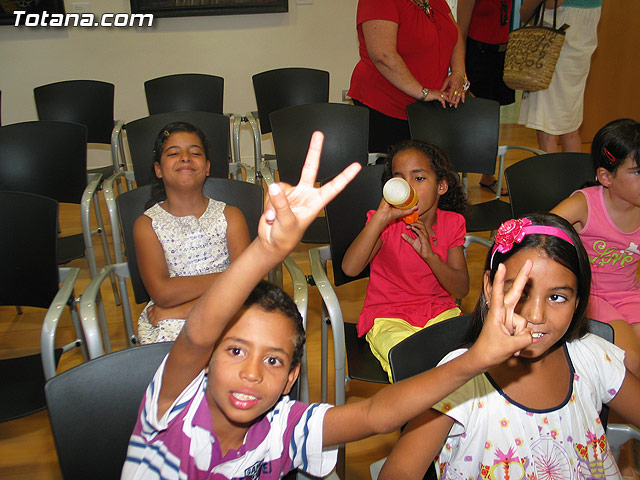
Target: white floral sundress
493 437
192 246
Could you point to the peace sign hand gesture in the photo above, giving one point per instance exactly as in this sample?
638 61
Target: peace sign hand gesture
505 332
290 210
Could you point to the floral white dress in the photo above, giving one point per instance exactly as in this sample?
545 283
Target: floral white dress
493 437
192 246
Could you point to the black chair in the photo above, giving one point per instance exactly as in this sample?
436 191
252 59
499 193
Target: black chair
87 102
193 92
141 134
346 136
129 206
94 407
28 240
538 184
346 216
277 89
50 159
469 136
425 349
183 92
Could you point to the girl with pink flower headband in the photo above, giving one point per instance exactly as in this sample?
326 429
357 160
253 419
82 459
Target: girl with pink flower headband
536 415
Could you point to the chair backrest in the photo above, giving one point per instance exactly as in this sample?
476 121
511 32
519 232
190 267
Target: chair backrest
87 102
185 91
28 239
141 135
346 137
468 134
93 408
347 215
424 350
287 87
246 196
539 183
45 158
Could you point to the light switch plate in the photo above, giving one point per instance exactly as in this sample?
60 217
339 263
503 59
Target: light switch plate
80 7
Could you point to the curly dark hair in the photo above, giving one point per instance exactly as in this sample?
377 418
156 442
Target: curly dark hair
158 193
614 142
573 257
270 297
454 199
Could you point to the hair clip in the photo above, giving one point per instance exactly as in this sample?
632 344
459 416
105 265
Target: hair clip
166 133
607 153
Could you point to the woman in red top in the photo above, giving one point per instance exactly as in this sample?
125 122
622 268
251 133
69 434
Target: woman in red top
406 49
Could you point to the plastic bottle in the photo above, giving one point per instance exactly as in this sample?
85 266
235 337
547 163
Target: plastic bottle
400 194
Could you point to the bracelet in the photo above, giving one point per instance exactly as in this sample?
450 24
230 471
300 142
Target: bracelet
425 93
463 75
467 83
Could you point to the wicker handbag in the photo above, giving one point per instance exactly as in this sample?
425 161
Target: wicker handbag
532 54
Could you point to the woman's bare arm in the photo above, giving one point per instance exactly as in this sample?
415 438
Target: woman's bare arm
380 37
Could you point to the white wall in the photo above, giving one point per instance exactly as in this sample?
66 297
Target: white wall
321 35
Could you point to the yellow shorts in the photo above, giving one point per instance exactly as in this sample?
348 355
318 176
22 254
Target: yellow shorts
386 333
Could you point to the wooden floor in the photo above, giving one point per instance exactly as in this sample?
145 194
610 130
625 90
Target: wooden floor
26 446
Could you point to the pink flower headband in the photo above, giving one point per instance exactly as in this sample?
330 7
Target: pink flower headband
514 231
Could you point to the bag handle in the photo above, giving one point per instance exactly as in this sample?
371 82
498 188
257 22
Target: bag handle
538 14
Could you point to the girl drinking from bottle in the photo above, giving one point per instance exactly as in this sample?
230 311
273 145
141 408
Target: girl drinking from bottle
416 268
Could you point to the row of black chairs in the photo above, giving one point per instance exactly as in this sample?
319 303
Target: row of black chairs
91 102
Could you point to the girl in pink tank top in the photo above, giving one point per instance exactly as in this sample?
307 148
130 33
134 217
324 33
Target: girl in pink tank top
607 218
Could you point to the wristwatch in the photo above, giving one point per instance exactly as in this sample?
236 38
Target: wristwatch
425 93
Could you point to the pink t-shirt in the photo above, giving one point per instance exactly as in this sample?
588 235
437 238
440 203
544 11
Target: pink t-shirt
425 44
401 284
613 254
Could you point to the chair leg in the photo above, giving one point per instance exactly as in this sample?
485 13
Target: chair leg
341 466
275 276
105 248
18 309
127 316
77 325
106 339
324 354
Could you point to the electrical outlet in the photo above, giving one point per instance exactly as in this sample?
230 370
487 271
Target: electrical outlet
345 97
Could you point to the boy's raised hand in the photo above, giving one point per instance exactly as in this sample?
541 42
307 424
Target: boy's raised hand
290 210
505 332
